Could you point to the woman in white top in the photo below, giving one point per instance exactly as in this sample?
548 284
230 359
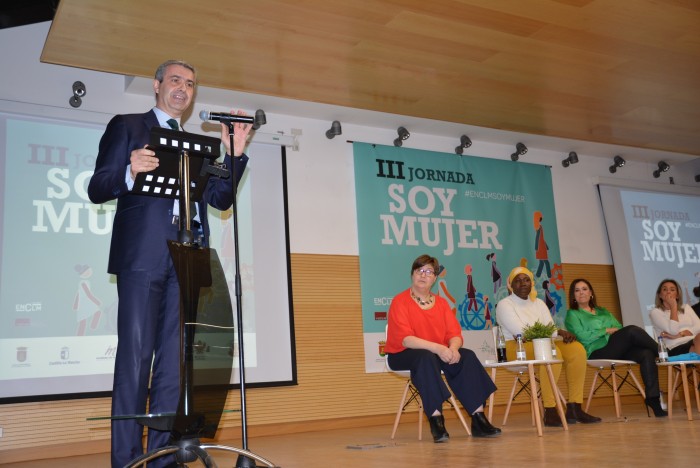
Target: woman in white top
523 308
674 321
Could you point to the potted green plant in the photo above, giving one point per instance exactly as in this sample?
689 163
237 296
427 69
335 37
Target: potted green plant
541 337
538 330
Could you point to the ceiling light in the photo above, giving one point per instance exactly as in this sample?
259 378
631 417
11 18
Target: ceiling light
617 162
334 131
520 149
78 92
464 142
663 167
571 159
403 135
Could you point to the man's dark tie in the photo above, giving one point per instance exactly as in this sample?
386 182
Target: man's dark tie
173 124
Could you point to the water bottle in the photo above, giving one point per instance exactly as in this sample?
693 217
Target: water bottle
663 352
500 345
520 349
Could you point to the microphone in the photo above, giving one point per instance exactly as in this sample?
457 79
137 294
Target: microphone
223 117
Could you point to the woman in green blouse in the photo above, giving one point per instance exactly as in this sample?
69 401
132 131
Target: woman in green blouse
605 338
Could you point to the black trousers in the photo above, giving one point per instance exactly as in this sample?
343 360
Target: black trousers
681 349
634 344
467 378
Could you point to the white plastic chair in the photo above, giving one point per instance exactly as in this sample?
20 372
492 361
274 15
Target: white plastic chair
680 369
607 370
410 393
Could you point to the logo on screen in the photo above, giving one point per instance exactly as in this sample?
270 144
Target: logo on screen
28 307
21 353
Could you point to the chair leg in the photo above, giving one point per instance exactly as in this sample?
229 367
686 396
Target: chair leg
590 394
420 419
400 410
640 389
510 400
671 390
453 401
696 388
492 396
561 396
616 393
686 392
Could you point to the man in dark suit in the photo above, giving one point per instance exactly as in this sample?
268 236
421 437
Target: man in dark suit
149 303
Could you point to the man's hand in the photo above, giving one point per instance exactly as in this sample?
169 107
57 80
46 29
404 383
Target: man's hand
240 135
142 160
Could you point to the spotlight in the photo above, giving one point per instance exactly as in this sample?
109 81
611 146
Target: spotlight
663 167
520 149
78 92
260 119
334 131
464 142
617 162
572 159
403 135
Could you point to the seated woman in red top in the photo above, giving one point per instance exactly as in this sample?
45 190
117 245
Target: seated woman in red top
424 337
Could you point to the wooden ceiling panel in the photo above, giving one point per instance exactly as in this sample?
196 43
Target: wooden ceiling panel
616 72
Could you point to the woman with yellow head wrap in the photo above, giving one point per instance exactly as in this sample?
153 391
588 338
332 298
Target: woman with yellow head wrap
515 272
521 309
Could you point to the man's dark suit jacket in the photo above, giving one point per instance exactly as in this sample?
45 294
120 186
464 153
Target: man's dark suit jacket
143 224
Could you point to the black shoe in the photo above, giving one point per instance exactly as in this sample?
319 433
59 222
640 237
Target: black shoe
551 418
581 416
481 427
571 416
437 428
655 405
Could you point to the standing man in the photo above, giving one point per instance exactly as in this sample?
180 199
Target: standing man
149 302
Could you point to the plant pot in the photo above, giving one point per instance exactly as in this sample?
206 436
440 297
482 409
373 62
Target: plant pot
542 348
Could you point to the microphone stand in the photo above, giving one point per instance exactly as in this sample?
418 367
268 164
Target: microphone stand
242 461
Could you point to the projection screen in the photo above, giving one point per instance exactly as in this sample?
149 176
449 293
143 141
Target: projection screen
58 304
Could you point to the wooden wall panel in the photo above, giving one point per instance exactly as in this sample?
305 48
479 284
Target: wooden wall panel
333 389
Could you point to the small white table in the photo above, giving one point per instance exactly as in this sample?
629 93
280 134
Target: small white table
494 366
680 369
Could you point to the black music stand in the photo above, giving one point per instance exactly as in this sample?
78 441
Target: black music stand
186 161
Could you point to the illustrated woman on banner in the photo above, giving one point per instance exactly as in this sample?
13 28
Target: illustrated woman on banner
442 289
471 289
548 299
495 272
85 305
541 247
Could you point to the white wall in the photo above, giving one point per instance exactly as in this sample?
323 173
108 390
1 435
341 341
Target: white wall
321 185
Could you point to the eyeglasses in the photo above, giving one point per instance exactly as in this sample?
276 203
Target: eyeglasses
425 271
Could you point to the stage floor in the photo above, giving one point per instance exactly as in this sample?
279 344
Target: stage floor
632 441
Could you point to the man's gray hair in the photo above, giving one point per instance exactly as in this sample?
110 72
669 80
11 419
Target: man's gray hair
160 72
